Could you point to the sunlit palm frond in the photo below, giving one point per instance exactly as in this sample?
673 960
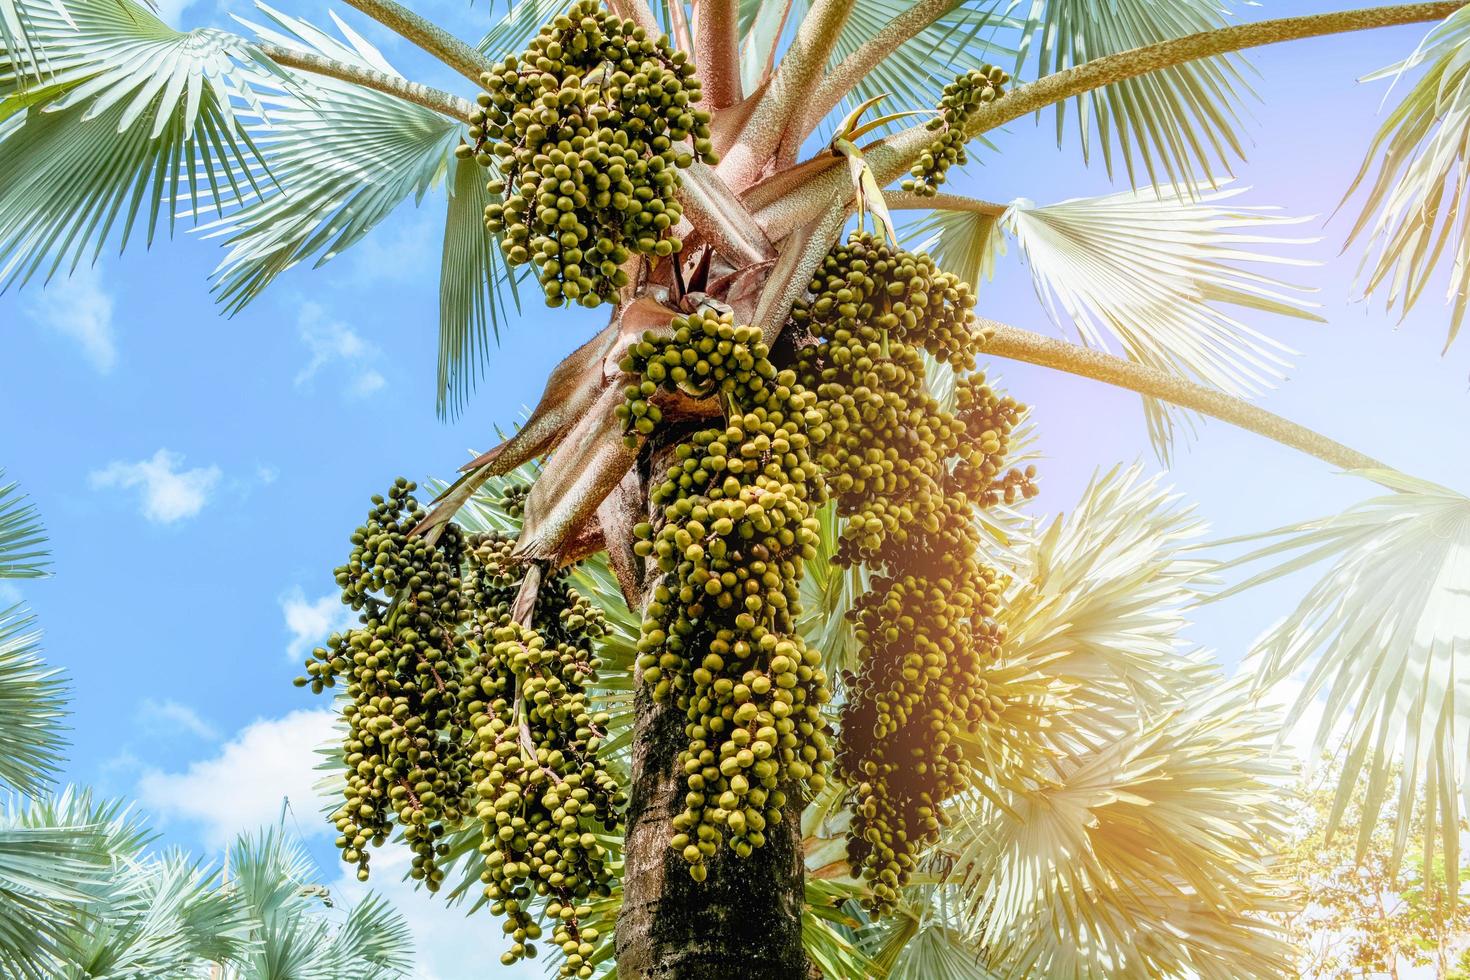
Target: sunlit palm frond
1140 856
23 551
1384 638
1160 273
1416 207
1178 123
1099 601
33 700
966 243
59 857
926 938
130 120
341 159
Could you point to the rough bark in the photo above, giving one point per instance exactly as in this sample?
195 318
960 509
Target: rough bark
744 920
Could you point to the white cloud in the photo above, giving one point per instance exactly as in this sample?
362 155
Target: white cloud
311 622
168 493
244 785
9 595
267 475
333 342
164 717
448 944
79 309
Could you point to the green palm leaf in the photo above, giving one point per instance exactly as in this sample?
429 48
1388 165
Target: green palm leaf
1159 271
341 159
131 119
470 305
1415 208
1385 639
1176 122
23 551
32 703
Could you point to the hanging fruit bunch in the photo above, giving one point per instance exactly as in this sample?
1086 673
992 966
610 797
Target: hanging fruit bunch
907 477
957 104
735 521
588 128
456 710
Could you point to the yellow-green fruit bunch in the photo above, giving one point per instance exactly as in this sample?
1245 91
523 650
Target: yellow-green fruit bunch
403 750
734 525
589 127
990 419
543 795
874 308
907 477
958 103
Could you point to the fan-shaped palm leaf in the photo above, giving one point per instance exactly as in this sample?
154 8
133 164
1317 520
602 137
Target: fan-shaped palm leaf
341 157
1386 633
271 878
966 243
1140 856
130 118
22 539
1099 600
1417 205
58 859
32 703
161 917
1177 121
1159 273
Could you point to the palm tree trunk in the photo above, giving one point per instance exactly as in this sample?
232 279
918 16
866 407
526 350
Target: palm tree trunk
744 920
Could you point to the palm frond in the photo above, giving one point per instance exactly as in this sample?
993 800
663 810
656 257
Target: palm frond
522 21
165 916
1416 205
59 857
131 119
1160 273
1385 639
1099 601
23 551
966 243
1178 123
33 700
470 304
341 158
1141 856
375 943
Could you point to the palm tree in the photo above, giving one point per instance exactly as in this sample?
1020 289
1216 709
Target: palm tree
1117 822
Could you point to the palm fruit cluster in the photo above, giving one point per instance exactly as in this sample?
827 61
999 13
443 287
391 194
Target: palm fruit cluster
957 104
456 712
542 794
907 477
734 524
404 746
589 128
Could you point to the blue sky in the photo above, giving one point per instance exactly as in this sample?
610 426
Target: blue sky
199 476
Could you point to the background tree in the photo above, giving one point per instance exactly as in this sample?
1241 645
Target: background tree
109 116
